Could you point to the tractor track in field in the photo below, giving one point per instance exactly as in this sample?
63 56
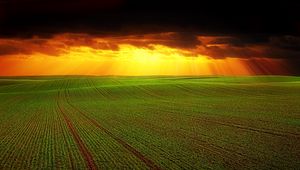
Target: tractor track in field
104 93
66 143
83 149
201 144
146 143
262 130
268 131
126 145
213 147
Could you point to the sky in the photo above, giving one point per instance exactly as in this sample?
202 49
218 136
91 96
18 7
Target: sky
150 37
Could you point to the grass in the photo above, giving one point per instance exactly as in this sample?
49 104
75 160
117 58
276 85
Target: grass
79 122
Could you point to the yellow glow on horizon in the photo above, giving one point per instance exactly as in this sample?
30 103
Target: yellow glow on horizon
128 60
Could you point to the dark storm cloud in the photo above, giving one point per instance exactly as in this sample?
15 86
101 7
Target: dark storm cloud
246 47
186 40
285 47
30 46
8 49
61 43
26 18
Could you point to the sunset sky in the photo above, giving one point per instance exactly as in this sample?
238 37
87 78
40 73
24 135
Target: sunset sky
128 37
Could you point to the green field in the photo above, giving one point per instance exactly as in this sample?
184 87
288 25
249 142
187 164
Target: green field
78 122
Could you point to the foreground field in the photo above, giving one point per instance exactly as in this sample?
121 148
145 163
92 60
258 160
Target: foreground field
150 123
